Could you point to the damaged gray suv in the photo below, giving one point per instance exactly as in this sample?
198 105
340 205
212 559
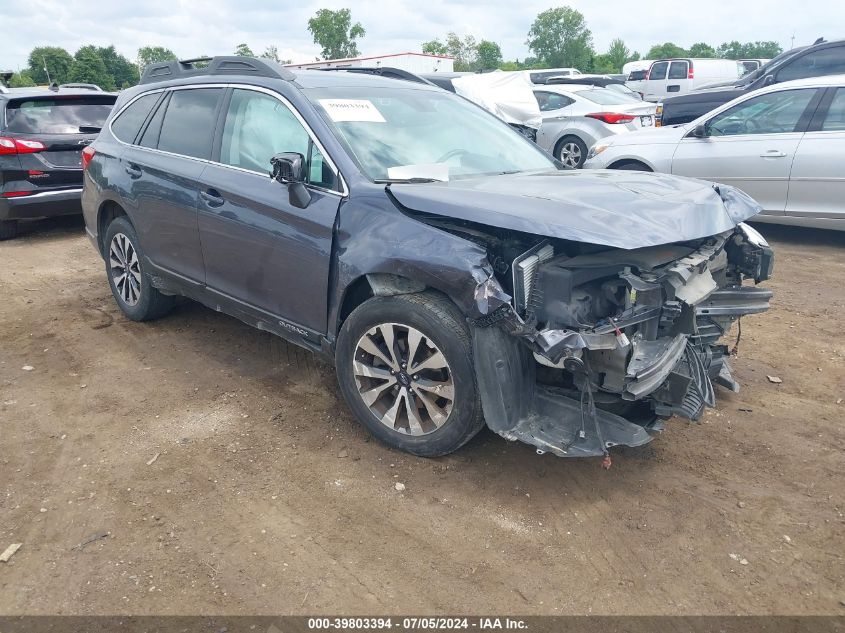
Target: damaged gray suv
449 268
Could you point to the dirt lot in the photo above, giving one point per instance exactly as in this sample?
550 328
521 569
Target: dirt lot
266 497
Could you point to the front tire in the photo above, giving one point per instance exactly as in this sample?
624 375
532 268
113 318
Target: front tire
404 364
131 286
572 152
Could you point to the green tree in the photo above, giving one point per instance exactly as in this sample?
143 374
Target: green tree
150 54
488 54
700 49
56 60
618 54
123 72
664 51
272 53
634 57
464 51
749 50
244 50
89 67
761 50
334 32
434 47
603 65
560 38
21 79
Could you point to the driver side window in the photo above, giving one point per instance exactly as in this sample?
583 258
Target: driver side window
772 113
258 126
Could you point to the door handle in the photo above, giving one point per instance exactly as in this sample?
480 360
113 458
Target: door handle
212 197
773 153
133 170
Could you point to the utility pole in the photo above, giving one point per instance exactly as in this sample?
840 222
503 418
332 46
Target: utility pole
792 41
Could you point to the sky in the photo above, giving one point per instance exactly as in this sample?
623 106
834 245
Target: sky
191 28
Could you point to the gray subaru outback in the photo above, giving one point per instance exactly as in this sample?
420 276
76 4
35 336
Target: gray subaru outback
450 269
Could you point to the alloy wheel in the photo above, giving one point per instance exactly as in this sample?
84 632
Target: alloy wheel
403 378
125 269
570 155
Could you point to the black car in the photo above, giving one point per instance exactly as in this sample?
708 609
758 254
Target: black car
445 265
42 134
822 58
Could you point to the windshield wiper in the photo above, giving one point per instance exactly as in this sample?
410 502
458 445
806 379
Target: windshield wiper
405 180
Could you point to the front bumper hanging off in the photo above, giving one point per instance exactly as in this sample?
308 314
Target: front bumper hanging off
669 367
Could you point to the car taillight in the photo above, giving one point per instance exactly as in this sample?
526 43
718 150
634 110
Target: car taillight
87 155
611 117
20 146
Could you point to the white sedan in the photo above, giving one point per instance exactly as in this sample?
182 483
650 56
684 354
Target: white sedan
576 116
783 145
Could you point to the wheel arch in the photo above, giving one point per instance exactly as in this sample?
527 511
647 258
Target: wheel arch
617 164
108 211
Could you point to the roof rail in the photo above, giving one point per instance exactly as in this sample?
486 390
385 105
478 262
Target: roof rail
94 87
382 71
224 65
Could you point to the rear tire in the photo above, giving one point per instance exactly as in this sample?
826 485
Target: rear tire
571 151
8 229
418 394
130 284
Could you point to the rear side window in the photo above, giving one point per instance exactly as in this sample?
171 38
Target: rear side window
188 125
658 71
58 115
125 127
829 61
678 70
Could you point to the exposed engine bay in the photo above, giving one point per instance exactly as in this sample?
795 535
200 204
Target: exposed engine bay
589 347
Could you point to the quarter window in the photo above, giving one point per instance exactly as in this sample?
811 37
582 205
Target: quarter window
259 126
125 127
188 125
834 121
551 101
772 113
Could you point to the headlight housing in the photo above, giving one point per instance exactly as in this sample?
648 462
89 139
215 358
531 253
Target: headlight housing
597 149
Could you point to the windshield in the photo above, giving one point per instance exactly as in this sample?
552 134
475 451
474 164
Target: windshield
604 96
406 133
61 115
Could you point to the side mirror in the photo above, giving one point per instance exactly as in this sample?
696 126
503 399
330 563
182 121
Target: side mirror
288 169
769 80
700 131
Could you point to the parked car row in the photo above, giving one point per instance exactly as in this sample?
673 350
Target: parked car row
42 134
454 273
782 145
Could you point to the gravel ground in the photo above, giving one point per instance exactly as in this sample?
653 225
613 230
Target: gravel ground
215 469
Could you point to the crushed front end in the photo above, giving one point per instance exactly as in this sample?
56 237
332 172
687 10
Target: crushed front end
600 345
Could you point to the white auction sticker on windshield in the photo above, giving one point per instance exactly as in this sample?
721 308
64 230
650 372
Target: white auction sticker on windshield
352 110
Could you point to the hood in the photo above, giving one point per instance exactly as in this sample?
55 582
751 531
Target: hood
621 209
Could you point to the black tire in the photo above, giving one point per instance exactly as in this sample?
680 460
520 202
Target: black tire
632 165
437 318
149 303
8 229
565 149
